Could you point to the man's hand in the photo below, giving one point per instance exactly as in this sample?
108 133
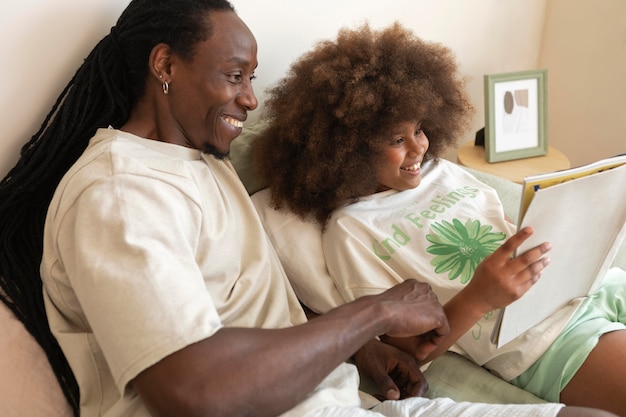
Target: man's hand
415 312
396 373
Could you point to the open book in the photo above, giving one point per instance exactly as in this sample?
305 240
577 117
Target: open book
582 212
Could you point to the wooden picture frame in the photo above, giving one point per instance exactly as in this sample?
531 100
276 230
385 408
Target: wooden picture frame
515 115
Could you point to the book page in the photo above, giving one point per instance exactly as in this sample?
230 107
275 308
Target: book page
585 222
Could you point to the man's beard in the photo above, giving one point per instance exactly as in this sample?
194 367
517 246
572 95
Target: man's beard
212 150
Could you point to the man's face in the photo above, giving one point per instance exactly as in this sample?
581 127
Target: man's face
210 95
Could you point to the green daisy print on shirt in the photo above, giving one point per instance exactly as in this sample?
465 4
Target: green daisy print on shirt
459 248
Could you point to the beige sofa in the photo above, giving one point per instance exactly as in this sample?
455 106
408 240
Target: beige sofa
28 387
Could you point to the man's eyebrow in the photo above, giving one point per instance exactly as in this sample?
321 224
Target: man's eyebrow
240 61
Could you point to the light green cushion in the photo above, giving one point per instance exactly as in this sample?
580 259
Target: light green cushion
453 376
240 158
456 377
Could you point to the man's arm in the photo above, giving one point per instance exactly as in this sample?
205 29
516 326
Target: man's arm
395 372
261 372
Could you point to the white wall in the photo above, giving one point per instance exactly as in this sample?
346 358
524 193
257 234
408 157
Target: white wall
584 49
488 36
44 41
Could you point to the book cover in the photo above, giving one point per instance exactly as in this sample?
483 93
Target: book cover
582 213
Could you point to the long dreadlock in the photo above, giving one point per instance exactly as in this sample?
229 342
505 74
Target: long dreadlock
101 93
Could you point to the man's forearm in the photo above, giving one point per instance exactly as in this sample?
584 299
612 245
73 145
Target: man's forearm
264 372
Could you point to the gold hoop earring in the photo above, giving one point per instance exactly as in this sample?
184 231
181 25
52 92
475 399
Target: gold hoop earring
166 87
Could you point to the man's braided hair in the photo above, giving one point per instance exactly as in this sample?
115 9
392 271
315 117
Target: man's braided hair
101 93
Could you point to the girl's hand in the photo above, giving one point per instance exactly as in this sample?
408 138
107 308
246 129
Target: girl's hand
501 278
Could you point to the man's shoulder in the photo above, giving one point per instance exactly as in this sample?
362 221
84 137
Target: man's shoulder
112 152
121 160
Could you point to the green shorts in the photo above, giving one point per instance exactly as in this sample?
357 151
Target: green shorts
603 312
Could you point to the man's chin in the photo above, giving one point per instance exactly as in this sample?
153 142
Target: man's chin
212 150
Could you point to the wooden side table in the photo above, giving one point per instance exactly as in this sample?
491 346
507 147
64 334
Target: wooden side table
474 157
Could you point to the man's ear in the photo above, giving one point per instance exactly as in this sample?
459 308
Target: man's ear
160 62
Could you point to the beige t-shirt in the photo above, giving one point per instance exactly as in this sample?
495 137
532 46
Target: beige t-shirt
437 233
148 248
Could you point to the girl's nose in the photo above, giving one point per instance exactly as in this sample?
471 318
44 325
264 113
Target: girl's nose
417 145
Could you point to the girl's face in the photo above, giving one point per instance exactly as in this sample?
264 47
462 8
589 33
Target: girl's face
400 169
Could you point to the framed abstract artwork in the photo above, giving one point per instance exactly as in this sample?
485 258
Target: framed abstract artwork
515 115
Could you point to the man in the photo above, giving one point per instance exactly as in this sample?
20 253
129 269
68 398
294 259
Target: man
159 282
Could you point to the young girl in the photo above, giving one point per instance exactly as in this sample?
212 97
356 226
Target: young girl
352 144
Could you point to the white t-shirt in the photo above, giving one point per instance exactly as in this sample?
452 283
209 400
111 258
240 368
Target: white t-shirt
148 248
437 233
